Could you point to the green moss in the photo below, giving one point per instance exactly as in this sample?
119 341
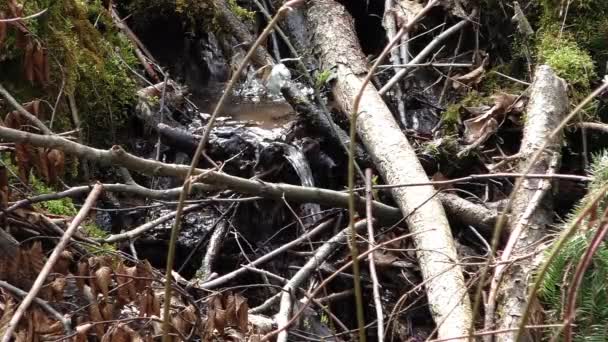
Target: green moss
239 11
87 55
567 59
451 118
585 28
94 231
61 207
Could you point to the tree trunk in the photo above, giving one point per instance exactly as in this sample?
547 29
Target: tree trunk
338 47
532 206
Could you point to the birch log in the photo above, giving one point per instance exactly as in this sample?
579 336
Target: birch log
532 206
337 46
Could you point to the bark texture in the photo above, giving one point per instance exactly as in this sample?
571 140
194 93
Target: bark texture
337 47
532 206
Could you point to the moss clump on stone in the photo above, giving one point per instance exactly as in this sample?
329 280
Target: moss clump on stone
583 23
88 58
568 60
61 207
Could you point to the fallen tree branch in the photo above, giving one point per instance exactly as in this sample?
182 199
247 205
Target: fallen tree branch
216 180
547 107
397 162
507 209
41 126
134 233
322 253
50 263
598 126
469 213
229 276
423 54
67 326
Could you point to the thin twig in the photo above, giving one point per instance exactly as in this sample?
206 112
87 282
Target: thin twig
10 20
351 162
269 256
372 262
46 269
24 111
67 327
575 178
326 281
424 53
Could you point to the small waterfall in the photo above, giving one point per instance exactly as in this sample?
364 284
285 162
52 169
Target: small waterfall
298 161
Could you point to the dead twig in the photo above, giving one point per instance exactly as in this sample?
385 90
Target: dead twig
61 245
372 264
67 326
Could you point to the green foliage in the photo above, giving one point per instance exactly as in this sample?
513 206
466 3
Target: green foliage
87 55
94 231
195 14
61 207
567 59
592 301
239 11
584 29
451 118
322 78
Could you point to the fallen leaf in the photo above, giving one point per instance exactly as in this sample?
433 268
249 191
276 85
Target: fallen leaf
103 279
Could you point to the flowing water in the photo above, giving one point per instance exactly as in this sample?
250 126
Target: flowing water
298 161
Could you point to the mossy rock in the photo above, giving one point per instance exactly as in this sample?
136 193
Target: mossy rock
88 58
568 60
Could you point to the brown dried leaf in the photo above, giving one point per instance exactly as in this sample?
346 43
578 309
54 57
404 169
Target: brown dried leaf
475 130
7 314
180 324
406 10
469 79
96 316
37 257
146 273
219 320
83 272
486 124
5 190
42 165
384 258
62 265
133 335
22 336
56 164
58 286
23 161
43 325
81 332
103 280
107 311
28 61
133 287
123 285
144 301
155 305
33 107
38 63
242 317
